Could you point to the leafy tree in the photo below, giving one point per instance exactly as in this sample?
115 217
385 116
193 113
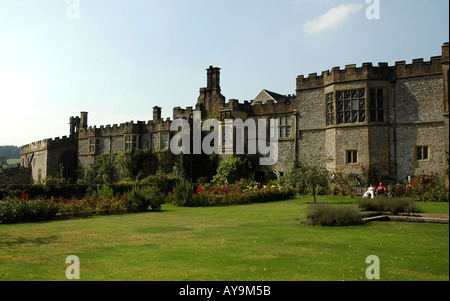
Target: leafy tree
107 167
234 168
59 179
3 160
138 164
312 173
103 170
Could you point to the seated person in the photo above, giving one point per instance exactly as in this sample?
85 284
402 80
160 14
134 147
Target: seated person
370 192
381 189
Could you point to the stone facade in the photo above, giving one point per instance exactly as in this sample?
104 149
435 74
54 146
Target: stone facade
392 118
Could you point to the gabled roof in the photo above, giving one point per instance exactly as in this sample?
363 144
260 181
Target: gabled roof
267 95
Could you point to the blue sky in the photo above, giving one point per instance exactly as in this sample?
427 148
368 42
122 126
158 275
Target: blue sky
117 59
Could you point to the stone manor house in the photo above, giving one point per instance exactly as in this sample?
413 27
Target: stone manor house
393 118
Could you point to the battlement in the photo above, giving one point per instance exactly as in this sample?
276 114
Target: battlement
138 127
282 106
367 71
234 104
47 144
178 112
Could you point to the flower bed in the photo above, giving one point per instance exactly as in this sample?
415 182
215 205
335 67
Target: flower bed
189 195
23 209
423 188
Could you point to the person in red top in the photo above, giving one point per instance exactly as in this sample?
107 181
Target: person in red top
381 189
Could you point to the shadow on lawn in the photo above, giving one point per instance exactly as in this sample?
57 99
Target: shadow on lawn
9 241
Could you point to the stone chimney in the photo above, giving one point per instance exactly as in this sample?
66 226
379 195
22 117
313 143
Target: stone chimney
84 120
156 113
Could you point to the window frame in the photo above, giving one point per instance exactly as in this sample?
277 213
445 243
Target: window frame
161 148
351 157
421 157
94 145
131 142
284 125
376 109
346 104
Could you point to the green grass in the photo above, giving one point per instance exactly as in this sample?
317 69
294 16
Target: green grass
261 242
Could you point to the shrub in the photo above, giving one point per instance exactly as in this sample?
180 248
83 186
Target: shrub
397 190
393 206
229 171
427 187
434 195
232 194
143 198
183 194
324 214
101 191
24 210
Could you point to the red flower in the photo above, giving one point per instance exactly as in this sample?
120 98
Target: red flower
25 196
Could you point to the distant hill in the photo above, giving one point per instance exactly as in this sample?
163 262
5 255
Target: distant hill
10 151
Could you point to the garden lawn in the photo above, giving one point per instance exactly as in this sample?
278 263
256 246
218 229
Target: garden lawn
260 242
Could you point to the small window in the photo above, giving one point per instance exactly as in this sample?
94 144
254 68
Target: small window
94 145
285 126
423 153
164 141
352 157
376 105
330 108
131 143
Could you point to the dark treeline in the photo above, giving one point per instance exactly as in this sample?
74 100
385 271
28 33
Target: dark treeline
10 151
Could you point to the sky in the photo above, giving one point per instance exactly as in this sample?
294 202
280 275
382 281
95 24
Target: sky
117 59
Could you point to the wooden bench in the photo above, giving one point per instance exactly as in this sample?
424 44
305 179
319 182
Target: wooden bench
358 191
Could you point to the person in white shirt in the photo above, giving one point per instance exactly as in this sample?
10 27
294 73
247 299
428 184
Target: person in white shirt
370 192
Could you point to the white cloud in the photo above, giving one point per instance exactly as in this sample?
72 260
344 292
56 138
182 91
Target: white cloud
333 18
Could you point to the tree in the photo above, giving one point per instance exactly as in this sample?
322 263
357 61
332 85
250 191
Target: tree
106 165
312 173
234 168
10 151
103 170
3 160
138 164
229 170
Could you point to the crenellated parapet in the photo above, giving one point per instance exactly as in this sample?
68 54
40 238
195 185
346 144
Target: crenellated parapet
234 104
368 71
48 144
139 127
270 107
186 113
